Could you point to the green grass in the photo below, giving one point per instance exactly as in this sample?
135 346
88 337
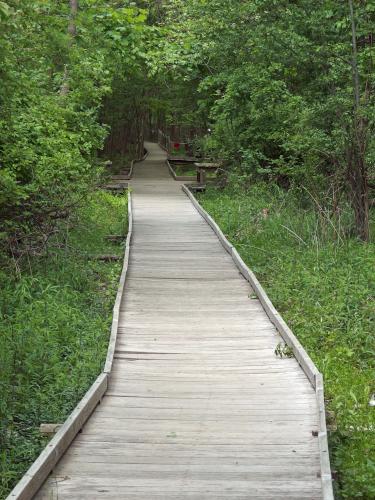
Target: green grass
55 316
190 170
120 163
185 170
322 281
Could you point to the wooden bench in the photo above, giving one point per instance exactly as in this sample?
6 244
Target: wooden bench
203 168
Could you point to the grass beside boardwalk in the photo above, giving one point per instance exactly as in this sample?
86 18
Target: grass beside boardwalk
322 281
55 316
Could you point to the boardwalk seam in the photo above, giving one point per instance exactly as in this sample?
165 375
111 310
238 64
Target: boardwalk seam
120 291
130 174
33 479
308 366
38 472
178 177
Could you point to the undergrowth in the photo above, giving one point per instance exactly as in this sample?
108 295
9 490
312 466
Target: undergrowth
55 315
190 170
119 163
322 281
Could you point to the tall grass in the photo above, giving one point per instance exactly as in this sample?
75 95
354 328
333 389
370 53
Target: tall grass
55 315
322 281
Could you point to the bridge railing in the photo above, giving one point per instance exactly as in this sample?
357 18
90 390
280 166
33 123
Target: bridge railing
176 146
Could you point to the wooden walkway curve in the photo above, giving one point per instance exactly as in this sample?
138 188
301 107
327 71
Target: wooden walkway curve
198 406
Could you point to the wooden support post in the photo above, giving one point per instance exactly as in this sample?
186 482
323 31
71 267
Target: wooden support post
201 176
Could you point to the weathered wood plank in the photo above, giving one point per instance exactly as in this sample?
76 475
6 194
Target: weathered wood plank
120 291
305 361
37 473
198 405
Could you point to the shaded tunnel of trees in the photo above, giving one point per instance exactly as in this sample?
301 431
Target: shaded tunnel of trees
281 92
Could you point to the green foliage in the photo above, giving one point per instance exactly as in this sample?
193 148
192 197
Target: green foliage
55 304
272 76
4 10
55 320
273 80
51 94
322 282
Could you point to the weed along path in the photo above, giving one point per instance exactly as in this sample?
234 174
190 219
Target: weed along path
198 405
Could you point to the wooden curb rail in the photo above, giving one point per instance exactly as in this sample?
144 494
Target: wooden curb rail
120 291
130 174
34 478
308 366
178 177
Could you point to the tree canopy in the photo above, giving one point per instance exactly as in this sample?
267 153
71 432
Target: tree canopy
280 91
286 88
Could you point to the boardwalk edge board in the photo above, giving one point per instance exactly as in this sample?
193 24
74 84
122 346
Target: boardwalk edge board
308 366
38 472
130 174
116 308
178 177
30 483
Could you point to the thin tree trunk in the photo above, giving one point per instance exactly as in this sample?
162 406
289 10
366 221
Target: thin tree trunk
357 177
354 57
357 168
72 31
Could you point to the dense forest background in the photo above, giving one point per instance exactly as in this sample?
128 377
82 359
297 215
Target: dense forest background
281 92
285 87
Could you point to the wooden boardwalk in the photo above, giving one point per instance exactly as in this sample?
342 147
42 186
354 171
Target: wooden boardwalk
198 405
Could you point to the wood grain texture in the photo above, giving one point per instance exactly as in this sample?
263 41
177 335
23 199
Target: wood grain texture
120 291
37 473
300 354
178 177
198 405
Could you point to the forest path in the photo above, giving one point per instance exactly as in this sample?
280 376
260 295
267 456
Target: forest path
198 405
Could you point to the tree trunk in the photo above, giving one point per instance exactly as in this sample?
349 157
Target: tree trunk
72 31
358 182
357 168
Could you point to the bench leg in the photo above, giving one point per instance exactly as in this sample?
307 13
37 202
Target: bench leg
201 177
